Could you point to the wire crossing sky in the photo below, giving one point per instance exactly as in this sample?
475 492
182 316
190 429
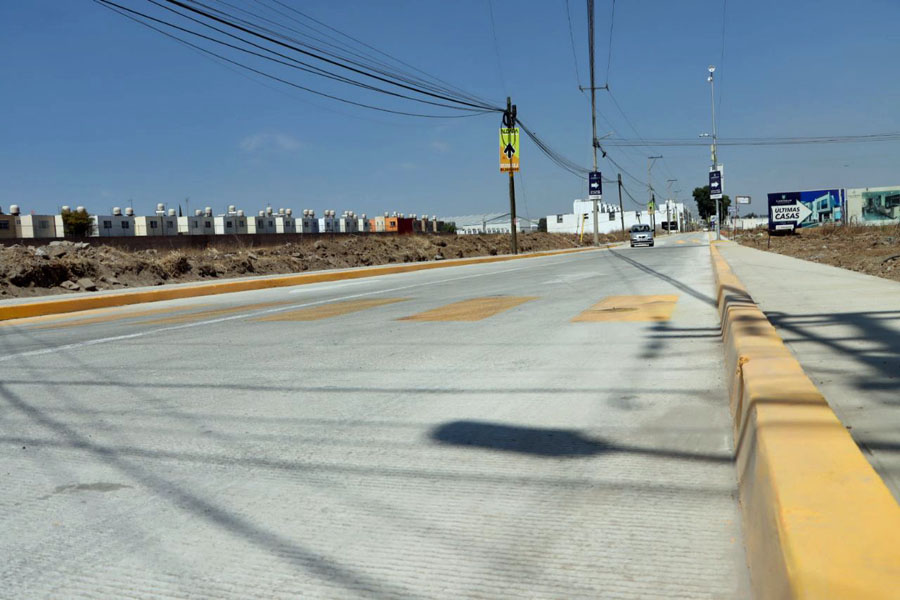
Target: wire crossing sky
394 106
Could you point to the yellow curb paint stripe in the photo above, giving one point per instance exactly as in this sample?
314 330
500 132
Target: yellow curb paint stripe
117 316
209 314
474 309
326 311
818 520
64 305
630 308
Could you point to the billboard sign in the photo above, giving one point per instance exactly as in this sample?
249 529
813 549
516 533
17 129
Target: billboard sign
874 205
793 210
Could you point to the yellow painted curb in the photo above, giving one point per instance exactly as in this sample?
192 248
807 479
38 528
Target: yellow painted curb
819 522
65 305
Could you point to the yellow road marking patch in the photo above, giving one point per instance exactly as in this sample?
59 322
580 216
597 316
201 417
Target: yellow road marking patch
475 309
207 314
680 242
326 311
630 308
118 316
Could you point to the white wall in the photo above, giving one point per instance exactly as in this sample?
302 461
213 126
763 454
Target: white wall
608 218
201 225
36 226
264 224
285 224
158 225
310 225
112 226
230 224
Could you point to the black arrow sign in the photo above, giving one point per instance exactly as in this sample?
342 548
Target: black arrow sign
509 151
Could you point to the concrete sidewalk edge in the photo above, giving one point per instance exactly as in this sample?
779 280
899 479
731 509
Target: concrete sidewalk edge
59 305
818 520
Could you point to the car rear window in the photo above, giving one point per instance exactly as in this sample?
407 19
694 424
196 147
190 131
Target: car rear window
640 228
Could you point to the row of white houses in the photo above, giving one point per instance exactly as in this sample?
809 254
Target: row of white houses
163 223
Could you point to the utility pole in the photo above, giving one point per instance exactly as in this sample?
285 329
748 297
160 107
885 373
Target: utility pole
651 207
509 121
621 210
594 141
715 158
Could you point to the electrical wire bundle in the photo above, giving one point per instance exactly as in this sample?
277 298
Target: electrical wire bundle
277 41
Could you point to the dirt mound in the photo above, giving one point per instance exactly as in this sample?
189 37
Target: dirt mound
872 250
63 266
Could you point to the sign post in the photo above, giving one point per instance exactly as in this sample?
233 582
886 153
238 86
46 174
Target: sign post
509 163
738 200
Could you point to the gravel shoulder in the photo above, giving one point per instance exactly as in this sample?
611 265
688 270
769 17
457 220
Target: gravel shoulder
870 250
60 267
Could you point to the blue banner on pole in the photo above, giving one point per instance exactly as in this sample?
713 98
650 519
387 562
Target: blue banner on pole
715 184
595 186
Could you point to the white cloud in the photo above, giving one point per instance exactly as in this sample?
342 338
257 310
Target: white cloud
270 141
440 146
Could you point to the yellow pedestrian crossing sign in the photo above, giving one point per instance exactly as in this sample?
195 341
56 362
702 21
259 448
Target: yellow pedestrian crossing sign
509 149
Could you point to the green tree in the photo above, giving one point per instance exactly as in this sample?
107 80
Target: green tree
76 223
706 207
542 224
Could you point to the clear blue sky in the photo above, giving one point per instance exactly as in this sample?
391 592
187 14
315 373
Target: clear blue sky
99 111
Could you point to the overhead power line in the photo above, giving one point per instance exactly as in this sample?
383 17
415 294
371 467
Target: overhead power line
143 19
612 20
771 141
572 40
316 55
250 34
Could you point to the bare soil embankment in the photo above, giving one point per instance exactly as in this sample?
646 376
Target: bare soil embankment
870 250
62 267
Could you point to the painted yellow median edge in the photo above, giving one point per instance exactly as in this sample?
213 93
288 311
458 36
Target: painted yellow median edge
66 305
819 522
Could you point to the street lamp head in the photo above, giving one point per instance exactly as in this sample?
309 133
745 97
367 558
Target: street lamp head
712 69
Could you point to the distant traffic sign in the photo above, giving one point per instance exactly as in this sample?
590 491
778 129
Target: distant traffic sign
595 186
509 149
715 184
743 199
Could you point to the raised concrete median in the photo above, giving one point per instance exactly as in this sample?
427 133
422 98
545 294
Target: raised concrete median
56 305
818 520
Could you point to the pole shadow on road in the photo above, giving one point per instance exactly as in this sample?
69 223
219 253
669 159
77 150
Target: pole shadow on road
878 330
550 443
671 280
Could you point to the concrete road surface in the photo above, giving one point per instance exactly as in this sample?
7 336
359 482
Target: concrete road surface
552 427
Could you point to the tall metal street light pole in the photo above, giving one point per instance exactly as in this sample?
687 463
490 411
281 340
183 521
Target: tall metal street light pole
651 207
669 183
715 158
